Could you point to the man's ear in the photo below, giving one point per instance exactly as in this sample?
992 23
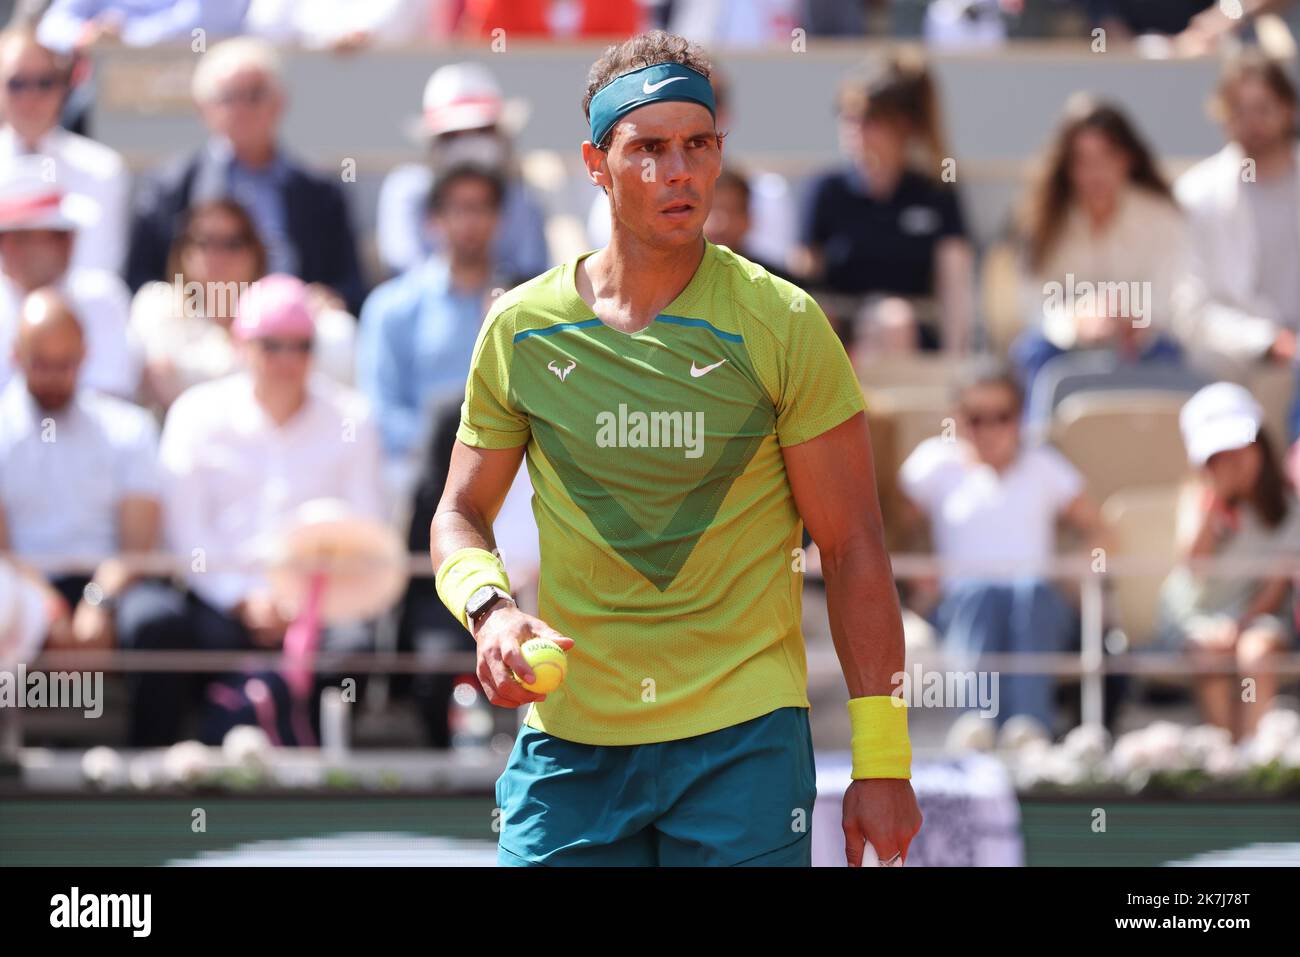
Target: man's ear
596 161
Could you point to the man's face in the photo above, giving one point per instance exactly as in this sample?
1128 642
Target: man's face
50 360
31 89
245 109
728 221
468 218
1257 118
660 170
35 257
279 363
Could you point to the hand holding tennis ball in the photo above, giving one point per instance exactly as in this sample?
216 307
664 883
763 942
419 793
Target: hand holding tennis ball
548 663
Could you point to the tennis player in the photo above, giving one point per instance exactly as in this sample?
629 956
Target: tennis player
683 414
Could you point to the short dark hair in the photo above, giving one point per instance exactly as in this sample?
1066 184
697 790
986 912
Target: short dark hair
446 179
642 50
988 371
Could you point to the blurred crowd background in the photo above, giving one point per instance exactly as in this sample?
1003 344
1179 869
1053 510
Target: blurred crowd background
1087 344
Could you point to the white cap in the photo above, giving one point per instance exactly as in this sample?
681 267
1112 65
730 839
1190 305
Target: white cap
461 96
31 199
1220 417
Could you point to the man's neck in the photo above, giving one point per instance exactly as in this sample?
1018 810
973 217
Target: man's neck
1277 161
255 158
280 404
30 140
627 283
469 274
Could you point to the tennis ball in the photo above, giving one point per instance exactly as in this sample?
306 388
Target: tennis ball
548 663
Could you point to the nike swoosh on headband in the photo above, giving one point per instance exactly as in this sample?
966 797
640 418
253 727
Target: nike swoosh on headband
647 87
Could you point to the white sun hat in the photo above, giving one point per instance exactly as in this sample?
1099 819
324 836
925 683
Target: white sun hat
1220 417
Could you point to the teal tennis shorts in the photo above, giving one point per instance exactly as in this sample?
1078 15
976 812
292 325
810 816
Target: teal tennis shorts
740 795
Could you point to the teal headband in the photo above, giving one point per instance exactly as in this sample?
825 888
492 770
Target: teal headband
661 83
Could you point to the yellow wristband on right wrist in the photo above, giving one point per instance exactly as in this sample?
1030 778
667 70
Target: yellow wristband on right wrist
880 744
464 572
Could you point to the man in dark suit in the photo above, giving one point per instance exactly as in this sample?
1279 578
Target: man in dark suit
301 217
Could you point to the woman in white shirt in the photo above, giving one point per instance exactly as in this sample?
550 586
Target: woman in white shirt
992 505
1105 246
1241 505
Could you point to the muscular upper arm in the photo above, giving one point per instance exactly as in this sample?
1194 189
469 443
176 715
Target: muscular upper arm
833 479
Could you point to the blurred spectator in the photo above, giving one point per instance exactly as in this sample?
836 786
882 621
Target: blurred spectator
183 323
37 236
729 223
28 606
989 499
465 120
338 25
771 231
301 218
79 481
1240 506
1105 245
33 84
717 23
1243 206
885 224
78 25
548 18
239 455
418 330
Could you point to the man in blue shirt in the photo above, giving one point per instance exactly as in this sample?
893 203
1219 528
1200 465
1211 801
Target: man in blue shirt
418 329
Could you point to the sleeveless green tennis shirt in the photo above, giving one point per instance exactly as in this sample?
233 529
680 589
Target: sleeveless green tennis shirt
668 530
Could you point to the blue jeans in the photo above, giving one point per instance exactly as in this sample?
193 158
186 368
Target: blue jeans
1025 615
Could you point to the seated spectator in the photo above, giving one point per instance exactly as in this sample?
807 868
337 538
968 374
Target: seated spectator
240 455
339 25
37 238
466 120
301 218
729 219
79 482
769 237
886 228
991 500
418 331
33 84
79 25
1105 246
542 18
1240 506
182 323
1243 206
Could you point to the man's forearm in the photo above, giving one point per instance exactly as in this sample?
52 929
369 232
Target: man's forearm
453 529
865 620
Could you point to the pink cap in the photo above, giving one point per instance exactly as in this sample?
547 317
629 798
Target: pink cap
274 306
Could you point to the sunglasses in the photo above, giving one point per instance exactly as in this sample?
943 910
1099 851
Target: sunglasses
252 96
222 244
272 346
45 83
978 420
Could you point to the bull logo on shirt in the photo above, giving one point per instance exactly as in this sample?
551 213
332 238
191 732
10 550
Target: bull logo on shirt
561 372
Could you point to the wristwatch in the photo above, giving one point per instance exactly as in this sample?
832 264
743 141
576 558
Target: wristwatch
94 596
483 600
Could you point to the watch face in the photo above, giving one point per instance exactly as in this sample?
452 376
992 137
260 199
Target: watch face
479 599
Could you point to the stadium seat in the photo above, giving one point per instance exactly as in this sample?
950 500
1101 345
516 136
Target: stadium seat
1000 297
917 412
1274 386
1142 523
1122 439
1102 371
908 372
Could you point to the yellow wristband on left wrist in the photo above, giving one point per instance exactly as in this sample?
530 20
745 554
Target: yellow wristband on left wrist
880 743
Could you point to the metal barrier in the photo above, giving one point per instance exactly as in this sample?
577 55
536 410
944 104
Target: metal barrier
1090 665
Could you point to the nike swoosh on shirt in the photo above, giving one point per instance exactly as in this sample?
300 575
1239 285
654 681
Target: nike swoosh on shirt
648 87
696 372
